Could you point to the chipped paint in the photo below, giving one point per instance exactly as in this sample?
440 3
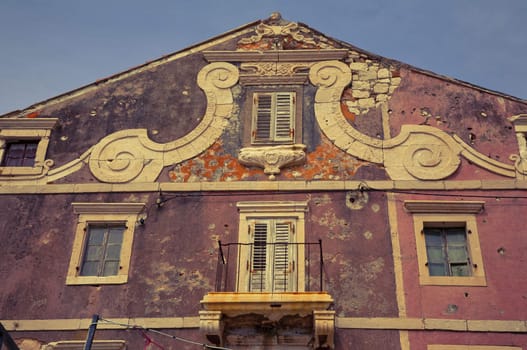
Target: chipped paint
326 162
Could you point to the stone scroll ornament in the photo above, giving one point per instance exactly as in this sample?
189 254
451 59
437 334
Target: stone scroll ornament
130 156
419 152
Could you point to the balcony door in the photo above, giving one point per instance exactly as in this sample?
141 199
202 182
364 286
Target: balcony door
272 262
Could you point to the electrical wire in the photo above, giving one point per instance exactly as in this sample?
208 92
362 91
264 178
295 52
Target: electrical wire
144 329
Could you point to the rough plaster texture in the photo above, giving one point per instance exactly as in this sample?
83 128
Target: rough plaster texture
174 252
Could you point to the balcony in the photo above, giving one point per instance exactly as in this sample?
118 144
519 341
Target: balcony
269 293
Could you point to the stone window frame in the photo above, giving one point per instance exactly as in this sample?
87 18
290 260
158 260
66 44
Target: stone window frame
79 345
471 347
277 210
106 213
28 129
447 214
248 113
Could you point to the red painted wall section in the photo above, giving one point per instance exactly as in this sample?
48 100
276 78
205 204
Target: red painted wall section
501 234
420 340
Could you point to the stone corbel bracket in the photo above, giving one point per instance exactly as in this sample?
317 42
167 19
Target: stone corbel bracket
419 152
324 329
211 326
273 158
130 156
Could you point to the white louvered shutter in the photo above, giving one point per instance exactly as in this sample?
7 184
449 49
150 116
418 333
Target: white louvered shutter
273 117
272 262
259 265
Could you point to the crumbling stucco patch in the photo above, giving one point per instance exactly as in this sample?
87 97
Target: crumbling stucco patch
355 293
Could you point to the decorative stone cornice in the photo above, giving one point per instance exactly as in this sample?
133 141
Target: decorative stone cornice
273 158
443 207
272 206
27 123
107 208
276 55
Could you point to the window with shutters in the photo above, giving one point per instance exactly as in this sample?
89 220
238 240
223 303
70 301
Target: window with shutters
271 234
272 261
447 242
102 246
23 145
272 115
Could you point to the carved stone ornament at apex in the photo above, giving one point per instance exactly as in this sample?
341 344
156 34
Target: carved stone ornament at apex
277 33
419 152
273 158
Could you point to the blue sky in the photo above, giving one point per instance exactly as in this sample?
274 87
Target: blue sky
49 47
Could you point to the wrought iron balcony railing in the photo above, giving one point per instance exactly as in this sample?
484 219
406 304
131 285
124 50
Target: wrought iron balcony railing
270 267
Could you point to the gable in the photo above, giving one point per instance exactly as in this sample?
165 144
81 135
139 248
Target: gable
173 119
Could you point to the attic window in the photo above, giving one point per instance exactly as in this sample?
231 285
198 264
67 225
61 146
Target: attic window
20 153
23 145
273 116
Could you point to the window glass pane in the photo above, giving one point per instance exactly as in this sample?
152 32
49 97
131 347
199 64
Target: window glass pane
96 235
460 270
435 254
90 269
457 254
110 268
20 153
113 252
437 269
456 235
115 235
93 253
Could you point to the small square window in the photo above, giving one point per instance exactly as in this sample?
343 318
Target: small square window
447 242
102 251
23 146
447 251
102 246
20 153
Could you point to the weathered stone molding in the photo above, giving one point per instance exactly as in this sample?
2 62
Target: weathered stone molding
447 207
273 158
342 322
324 327
302 185
130 156
419 152
211 326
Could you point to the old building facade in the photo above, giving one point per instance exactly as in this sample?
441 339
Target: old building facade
271 188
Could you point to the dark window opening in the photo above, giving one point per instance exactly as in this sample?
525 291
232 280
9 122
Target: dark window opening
20 153
447 251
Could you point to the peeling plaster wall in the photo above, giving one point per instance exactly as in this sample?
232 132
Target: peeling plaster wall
174 253
478 117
